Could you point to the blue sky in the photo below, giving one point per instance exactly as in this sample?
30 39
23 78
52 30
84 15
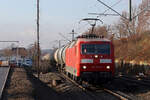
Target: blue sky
18 18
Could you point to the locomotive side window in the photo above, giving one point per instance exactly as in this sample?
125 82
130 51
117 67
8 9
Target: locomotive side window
95 49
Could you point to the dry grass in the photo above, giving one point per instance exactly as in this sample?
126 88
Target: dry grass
19 87
145 96
44 67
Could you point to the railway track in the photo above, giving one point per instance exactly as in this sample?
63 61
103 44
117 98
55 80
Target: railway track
130 86
119 89
89 89
138 81
4 71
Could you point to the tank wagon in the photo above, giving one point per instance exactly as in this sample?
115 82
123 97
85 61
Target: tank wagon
89 57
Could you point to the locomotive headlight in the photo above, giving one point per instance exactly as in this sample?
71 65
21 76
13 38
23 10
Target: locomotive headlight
96 56
107 67
84 67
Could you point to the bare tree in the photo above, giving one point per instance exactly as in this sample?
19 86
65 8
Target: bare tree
7 52
124 27
144 17
100 30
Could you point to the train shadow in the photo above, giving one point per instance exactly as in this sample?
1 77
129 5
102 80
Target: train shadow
41 90
44 92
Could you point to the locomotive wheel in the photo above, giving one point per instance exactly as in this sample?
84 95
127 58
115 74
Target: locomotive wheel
71 76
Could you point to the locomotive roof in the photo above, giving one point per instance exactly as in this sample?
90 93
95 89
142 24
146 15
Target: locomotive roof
94 39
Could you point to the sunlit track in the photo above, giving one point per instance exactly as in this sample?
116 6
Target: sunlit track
118 94
4 71
78 85
88 89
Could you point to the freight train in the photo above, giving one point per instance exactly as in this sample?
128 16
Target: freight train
89 57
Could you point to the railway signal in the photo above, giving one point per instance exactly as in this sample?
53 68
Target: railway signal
73 33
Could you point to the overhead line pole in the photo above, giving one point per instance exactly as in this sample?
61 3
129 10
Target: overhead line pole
130 9
38 29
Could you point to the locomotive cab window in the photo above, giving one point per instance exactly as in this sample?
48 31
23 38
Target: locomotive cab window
95 49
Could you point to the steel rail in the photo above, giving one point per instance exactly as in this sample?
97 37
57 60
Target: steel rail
135 80
121 96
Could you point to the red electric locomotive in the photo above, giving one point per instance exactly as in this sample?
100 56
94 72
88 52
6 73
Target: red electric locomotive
90 57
